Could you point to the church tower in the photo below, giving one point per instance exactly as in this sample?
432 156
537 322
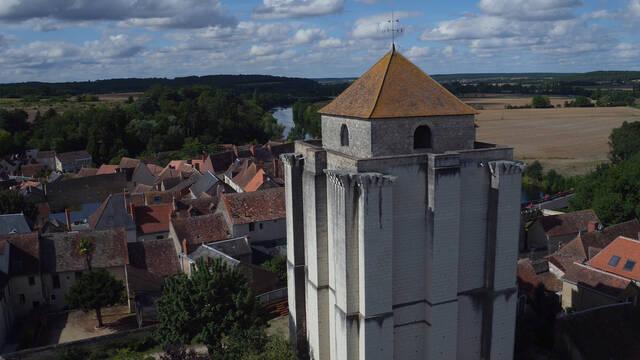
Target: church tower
402 229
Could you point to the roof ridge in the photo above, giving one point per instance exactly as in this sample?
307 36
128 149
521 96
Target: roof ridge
384 78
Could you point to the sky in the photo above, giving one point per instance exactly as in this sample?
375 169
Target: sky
79 40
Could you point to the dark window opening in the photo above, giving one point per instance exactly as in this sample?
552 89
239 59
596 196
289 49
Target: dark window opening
261 226
252 226
344 135
32 281
629 265
614 261
422 138
159 237
36 304
22 299
55 279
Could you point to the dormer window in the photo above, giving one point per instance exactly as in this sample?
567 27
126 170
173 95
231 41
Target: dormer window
422 137
344 135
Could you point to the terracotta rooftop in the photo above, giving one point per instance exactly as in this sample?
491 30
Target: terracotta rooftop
84 172
600 239
201 229
73 155
60 250
24 254
255 206
621 257
604 282
107 169
31 170
154 169
153 219
156 256
564 224
128 163
395 88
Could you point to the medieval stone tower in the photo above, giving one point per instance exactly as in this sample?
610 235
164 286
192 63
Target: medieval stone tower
402 230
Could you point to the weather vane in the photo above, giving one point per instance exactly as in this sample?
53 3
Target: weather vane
394 28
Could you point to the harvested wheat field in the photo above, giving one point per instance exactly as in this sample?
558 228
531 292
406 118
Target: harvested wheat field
571 140
498 103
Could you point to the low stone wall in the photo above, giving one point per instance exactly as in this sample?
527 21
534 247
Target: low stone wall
56 351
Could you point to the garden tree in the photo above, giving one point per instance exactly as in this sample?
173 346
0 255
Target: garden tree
206 306
254 344
307 120
94 290
278 266
13 202
534 171
613 192
6 142
86 248
180 352
540 102
624 141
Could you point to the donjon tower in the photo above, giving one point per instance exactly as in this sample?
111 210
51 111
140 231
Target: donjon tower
402 229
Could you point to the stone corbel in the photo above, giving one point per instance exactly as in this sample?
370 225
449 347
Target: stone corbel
293 159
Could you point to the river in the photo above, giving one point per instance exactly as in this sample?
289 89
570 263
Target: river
284 116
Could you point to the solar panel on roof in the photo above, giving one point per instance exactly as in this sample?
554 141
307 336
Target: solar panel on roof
615 259
629 265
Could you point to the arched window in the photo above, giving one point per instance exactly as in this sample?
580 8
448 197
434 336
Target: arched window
422 137
344 135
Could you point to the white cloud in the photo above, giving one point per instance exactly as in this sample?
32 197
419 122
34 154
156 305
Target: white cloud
281 9
528 10
262 50
627 50
116 46
448 50
140 13
634 7
330 43
305 36
376 26
470 27
417 52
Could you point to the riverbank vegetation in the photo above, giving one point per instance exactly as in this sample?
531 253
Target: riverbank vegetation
194 119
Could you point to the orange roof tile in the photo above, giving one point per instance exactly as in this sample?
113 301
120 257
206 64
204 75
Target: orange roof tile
395 88
107 169
153 219
627 250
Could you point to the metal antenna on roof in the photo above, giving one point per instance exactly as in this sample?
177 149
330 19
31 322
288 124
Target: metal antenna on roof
394 28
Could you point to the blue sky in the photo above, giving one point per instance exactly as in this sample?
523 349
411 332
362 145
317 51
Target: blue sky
62 40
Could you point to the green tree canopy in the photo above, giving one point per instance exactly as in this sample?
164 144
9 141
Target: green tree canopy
624 141
13 202
540 102
94 290
86 248
278 266
207 306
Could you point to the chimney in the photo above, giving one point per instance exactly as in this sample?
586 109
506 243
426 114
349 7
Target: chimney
184 246
133 214
593 226
253 150
68 217
235 150
174 204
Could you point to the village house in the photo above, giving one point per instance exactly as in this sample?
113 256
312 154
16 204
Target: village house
77 217
6 308
113 214
152 221
25 284
588 244
259 215
65 194
32 170
547 234
62 264
72 161
611 276
47 158
14 224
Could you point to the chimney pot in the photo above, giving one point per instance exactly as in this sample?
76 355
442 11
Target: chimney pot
184 246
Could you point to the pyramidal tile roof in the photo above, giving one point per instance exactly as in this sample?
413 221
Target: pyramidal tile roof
394 88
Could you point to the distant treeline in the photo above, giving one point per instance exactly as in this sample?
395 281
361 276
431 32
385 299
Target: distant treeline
275 90
593 78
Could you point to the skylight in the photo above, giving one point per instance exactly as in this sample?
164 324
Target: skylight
629 265
614 261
